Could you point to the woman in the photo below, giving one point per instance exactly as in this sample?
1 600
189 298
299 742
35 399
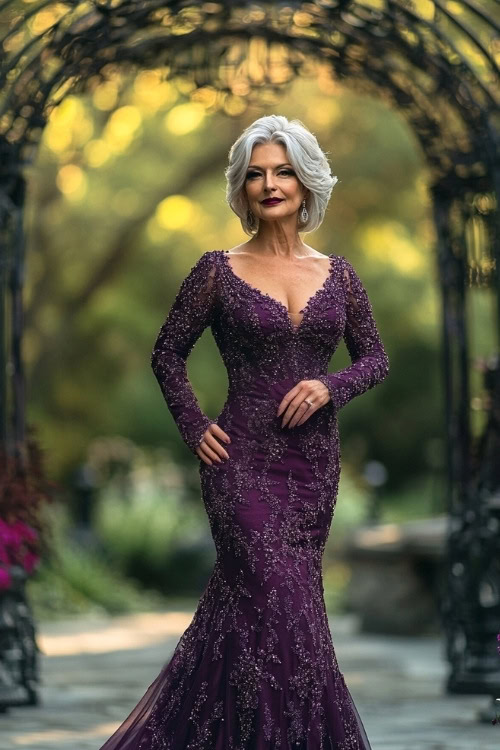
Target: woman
256 668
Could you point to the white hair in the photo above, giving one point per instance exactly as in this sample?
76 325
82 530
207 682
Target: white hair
304 154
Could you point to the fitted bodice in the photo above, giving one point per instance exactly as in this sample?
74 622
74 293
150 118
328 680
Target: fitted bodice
259 344
256 337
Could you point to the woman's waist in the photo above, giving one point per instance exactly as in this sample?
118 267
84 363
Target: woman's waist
262 387
256 405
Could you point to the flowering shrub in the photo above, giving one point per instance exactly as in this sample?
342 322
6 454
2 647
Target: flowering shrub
18 546
23 491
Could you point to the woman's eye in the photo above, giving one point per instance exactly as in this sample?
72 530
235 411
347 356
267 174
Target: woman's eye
250 175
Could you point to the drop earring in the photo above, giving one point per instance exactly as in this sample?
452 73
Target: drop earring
304 215
250 218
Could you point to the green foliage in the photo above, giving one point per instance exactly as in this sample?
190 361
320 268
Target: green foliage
159 538
422 498
76 580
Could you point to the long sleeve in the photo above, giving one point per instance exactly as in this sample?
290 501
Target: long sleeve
190 314
370 363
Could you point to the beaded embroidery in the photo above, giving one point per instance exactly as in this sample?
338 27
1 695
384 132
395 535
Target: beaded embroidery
256 668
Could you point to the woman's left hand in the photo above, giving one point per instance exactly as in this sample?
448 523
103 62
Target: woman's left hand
296 410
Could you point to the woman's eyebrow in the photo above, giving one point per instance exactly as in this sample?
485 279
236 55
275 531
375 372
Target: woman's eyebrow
256 166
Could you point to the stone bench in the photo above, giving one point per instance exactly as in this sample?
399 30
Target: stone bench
396 575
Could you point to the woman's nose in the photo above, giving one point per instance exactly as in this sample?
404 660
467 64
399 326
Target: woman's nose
269 179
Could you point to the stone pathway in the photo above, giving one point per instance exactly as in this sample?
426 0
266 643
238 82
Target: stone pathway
94 670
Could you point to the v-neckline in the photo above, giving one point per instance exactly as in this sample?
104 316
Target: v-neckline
277 302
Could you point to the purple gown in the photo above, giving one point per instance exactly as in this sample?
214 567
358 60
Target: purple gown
256 668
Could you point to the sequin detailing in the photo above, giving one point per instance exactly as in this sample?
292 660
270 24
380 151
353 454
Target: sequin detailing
256 668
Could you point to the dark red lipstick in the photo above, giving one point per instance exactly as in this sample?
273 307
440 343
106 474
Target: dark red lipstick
271 201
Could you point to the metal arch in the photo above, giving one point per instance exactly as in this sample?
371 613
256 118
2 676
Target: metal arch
348 32
395 8
354 8
440 34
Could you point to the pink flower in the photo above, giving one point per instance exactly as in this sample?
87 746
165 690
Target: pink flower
24 531
17 546
8 536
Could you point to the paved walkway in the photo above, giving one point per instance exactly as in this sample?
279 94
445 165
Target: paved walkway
95 670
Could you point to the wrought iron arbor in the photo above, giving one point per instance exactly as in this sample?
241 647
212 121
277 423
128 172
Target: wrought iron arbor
435 61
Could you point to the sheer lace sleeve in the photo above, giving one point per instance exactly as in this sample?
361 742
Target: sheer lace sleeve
370 363
190 314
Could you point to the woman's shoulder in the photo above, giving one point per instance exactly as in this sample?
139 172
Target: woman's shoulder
212 254
204 265
207 258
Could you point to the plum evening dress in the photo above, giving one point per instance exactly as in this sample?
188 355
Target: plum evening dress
256 668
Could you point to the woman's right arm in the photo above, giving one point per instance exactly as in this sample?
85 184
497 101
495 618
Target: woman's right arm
190 314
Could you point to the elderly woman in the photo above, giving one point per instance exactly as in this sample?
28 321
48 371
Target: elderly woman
256 668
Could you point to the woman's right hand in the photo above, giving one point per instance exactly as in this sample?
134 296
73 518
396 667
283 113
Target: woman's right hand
210 449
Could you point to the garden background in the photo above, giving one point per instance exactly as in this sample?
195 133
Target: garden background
126 193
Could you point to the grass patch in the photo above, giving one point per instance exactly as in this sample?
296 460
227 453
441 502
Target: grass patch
77 580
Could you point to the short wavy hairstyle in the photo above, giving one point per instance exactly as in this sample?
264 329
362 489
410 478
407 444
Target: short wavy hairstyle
304 154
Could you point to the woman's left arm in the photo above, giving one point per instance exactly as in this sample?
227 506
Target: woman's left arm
370 363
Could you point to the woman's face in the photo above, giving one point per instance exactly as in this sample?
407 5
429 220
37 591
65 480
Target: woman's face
270 175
